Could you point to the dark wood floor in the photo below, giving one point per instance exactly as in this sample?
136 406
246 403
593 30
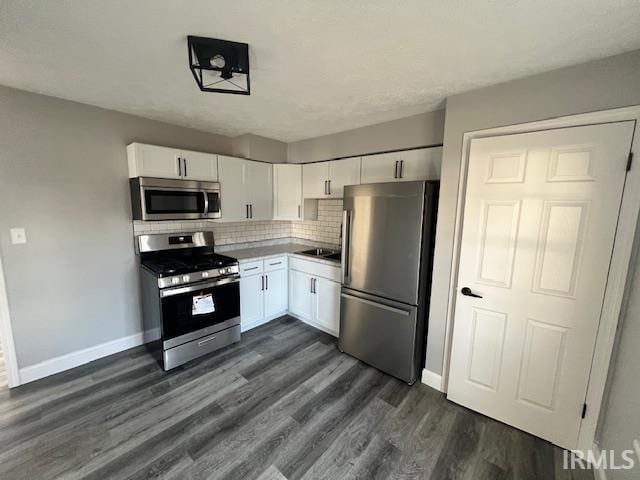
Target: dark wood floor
282 404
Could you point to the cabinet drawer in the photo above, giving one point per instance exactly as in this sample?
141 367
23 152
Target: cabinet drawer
316 269
275 263
251 268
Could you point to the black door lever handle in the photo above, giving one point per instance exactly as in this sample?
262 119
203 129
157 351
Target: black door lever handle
466 291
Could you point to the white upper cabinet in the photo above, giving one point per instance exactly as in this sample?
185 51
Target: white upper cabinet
287 192
328 179
420 164
341 173
234 205
314 179
153 161
380 168
245 188
164 162
259 188
199 166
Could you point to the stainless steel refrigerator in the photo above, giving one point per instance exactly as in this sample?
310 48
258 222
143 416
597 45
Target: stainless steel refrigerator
388 234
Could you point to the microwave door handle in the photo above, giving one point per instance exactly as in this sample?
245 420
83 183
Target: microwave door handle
206 204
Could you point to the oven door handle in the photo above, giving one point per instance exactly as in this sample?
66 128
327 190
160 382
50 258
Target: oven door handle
168 292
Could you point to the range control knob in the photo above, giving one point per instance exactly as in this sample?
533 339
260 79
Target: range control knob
222 271
175 280
185 278
205 274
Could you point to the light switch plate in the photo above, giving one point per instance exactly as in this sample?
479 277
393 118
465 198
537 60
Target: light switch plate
18 236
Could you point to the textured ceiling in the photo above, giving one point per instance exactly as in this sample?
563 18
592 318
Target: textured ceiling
318 66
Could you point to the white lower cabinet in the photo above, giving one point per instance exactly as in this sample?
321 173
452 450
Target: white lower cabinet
275 292
308 290
263 291
251 301
327 304
301 294
313 298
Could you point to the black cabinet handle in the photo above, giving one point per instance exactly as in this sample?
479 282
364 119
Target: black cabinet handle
466 291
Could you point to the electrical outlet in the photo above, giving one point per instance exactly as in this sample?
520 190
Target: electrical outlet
18 236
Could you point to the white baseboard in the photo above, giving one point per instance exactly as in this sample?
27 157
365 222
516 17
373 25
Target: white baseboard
80 357
244 327
433 380
315 325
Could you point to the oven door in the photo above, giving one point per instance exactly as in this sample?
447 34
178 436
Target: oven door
192 311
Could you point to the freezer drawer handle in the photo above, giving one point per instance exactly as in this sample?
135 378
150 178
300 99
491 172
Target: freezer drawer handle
375 304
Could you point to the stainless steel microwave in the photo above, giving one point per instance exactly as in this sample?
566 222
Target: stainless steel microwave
167 199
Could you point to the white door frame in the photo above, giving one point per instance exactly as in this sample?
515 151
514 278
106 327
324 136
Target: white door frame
619 269
6 335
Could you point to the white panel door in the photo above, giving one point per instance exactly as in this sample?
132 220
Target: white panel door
341 173
539 223
259 190
379 168
300 296
200 166
275 293
234 204
421 164
154 161
287 192
251 301
327 303
314 178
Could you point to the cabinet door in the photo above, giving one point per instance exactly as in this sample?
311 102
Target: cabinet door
154 161
314 176
341 173
232 188
379 168
251 301
287 192
327 303
259 190
422 164
200 166
300 296
275 293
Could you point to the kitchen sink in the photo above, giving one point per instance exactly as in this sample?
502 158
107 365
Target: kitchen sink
322 253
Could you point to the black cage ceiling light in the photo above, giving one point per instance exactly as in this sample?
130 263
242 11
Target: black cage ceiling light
219 65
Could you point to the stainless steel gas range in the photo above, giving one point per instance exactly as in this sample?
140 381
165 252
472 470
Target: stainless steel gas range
190 293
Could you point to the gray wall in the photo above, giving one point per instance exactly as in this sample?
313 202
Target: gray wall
259 148
599 85
415 131
620 419
63 176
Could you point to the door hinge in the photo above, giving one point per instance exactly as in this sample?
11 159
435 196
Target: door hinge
584 410
629 161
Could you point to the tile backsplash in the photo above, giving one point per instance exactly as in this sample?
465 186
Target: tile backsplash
325 230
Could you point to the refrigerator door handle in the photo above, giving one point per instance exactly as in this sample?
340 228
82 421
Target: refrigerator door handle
346 240
376 304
